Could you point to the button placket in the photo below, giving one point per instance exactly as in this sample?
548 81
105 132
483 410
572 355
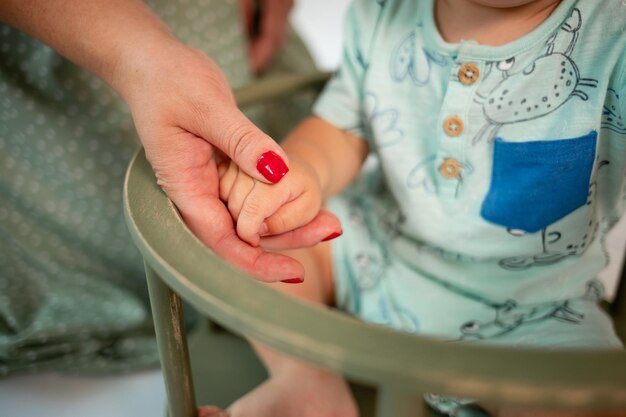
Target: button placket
453 128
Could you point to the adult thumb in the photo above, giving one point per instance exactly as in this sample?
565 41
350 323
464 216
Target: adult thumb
254 151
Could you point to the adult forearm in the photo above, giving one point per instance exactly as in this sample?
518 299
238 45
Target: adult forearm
103 36
335 155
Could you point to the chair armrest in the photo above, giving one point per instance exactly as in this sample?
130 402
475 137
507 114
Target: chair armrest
329 338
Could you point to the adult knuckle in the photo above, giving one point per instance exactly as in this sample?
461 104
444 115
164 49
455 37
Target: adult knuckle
242 139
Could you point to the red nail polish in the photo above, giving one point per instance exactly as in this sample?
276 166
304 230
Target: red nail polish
333 235
271 166
293 280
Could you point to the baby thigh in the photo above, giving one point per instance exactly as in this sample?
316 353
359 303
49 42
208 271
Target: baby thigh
394 294
327 394
561 324
318 284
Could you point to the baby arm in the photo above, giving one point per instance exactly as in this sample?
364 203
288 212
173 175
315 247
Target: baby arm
323 161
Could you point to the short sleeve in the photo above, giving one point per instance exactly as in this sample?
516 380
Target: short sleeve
340 102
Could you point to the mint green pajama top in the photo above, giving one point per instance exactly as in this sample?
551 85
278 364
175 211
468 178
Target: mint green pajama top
495 173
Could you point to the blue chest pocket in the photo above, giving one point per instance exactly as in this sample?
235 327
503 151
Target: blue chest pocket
536 183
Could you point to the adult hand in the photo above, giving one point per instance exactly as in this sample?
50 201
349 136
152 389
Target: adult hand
182 108
261 209
266 23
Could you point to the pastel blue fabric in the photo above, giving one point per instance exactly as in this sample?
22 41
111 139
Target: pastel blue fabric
533 184
494 173
509 210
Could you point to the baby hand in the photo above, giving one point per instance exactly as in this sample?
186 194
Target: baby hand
260 209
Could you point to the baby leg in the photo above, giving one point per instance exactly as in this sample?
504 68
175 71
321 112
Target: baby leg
593 331
296 388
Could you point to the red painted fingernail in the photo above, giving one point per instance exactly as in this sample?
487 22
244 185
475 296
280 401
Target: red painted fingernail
333 235
293 280
271 166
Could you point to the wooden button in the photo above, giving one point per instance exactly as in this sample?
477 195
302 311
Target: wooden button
450 168
468 74
453 126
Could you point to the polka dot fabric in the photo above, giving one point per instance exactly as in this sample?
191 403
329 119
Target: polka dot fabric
72 290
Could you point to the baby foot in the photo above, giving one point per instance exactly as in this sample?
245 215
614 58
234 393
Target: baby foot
306 392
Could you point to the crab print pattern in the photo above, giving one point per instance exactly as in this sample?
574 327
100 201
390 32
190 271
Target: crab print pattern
511 102
510 316
557 244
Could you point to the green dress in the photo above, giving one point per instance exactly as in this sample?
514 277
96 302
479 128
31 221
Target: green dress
72 290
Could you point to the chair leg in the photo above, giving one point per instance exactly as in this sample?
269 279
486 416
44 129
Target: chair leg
394 402
169 326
